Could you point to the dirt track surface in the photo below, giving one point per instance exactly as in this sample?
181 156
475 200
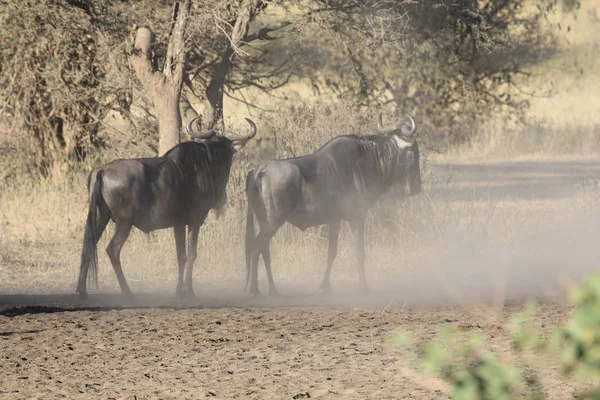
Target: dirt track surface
256 353
227 344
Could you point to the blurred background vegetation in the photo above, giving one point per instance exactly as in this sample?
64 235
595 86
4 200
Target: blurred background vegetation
487 74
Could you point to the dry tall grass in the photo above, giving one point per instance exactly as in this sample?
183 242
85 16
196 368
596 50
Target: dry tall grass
472 212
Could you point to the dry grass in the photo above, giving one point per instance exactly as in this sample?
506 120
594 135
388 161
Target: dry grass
472 210
471 218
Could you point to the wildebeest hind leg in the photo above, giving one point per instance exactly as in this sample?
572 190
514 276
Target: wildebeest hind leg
266 253
113 249
261 246
179 232
334 234
358 228
192 249
101 222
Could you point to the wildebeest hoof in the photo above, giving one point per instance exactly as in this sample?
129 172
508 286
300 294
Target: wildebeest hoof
83 295
364 289
326 289
186 295
127 295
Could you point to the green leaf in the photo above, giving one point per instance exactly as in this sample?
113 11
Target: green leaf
401 339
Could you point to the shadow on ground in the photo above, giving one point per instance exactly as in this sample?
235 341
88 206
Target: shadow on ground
453 289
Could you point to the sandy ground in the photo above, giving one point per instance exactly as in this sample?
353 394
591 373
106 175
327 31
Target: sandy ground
226 344
262 352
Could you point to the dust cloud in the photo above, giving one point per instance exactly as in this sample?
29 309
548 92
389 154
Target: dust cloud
555 233
550 210
545 263
545 236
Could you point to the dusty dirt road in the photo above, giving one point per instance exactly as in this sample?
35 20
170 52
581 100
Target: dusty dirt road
303 345
235 352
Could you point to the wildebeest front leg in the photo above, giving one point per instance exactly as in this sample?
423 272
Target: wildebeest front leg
113 249
179 232
191 258
358 228
254 266
334 234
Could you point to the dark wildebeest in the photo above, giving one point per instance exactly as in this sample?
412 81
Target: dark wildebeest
175 190
338 182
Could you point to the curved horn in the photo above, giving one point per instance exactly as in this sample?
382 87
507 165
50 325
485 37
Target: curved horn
198 135
412 130
235 137
188 127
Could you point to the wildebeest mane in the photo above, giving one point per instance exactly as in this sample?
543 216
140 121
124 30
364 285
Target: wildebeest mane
215 168
368 159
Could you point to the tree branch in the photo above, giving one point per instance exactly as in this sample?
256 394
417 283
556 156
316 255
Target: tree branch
175 59
263 33
141 60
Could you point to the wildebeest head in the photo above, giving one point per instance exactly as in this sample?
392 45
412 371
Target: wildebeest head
237 141
230 141
409 170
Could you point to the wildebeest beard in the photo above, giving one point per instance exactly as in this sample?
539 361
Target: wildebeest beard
221 158
215 171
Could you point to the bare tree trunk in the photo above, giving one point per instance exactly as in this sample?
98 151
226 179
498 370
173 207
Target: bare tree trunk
213 106
169 119
164 87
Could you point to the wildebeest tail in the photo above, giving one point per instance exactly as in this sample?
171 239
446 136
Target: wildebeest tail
250 232
89 253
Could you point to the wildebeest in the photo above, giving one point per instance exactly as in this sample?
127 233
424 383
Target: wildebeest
338 182
175 190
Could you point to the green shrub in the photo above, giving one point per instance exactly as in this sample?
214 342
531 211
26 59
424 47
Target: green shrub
476 373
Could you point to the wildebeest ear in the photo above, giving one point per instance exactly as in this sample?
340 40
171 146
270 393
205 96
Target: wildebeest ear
381 129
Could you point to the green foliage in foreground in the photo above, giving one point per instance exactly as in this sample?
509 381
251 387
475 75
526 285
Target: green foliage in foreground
475 373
